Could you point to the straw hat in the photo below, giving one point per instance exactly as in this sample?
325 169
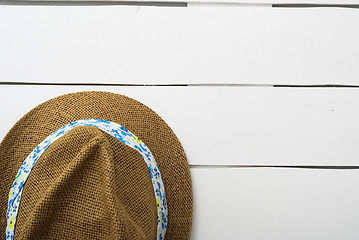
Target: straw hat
102 160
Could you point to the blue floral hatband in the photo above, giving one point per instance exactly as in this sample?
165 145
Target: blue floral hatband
115 130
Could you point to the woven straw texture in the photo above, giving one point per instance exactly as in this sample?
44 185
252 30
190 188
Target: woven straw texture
88 185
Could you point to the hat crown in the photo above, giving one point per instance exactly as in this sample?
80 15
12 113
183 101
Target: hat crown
89 181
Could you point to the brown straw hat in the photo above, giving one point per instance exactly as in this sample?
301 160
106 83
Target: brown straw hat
88 184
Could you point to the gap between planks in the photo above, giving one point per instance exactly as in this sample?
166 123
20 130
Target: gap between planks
187 85
169 4
274 166
292 5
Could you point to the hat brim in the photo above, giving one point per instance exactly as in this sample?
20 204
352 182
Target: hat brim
44 119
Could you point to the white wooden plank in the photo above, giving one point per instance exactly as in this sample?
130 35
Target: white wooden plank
271 204
223 125
179 45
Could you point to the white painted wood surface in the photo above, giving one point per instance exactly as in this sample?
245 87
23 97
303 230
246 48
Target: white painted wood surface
174 45
261 126
258 125
272 204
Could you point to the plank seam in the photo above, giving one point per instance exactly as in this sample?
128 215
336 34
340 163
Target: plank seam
93 84
185 85
292 5
315 86
95 3
169 4
276 166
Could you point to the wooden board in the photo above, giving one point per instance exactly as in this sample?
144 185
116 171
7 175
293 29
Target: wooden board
234 125
223 129
144 45
268 204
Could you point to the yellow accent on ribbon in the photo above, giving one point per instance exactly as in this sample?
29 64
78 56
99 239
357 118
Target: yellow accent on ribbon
137 139
11 224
